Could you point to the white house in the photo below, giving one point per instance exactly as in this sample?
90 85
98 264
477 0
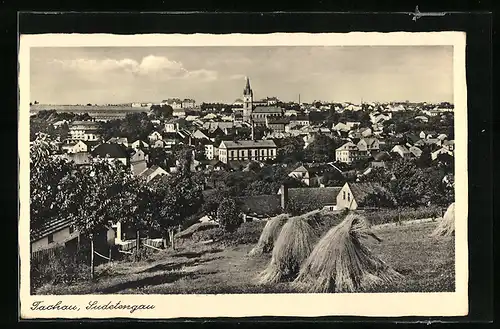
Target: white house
349 152
85 130
402 151
368 144
209 151
154 136
82 146
442 150
152 172
139 144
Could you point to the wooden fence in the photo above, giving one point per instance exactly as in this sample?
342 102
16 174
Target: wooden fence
45 254
130 245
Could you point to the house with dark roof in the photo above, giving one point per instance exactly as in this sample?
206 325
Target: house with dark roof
311 197
248 150
260 207
52 233
260 113
112 152
359 195
277 124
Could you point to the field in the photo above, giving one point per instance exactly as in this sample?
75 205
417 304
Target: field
96 111
426 263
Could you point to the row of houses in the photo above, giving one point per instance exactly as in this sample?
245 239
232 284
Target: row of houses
349 196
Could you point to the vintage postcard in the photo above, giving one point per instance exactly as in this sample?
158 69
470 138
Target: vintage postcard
239 175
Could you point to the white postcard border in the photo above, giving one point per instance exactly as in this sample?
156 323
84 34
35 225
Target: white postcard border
246 305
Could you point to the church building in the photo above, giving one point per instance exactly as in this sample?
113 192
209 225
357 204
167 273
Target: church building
257 114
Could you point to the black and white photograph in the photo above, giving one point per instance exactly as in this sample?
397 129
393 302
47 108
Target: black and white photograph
280 167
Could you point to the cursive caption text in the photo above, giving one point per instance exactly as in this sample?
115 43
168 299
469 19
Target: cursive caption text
91 306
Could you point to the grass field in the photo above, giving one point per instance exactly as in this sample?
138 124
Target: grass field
426 263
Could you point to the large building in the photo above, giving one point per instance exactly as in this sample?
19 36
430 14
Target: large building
85 131
257 111
247 150
349 152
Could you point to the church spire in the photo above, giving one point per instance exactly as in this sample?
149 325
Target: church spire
247 90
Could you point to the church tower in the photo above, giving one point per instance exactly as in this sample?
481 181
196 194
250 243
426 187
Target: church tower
247 102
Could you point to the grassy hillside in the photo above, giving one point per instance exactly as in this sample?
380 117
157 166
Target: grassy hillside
426 263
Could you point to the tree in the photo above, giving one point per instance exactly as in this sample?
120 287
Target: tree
102 196
160 157
333 177
228 215
290 150
321 150
425 159
162 111
49 176
379 198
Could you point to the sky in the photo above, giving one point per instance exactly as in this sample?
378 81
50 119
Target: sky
81 75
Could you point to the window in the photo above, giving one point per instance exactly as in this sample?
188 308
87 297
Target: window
348 196
50 238
71 230
344 194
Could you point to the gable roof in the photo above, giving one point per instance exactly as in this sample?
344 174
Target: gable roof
348 146
370 141
50 226
314 195
261 204
401 148
151 170
113 150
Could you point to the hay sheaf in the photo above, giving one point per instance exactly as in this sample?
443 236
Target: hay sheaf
269 235
446 227
294 244
341 263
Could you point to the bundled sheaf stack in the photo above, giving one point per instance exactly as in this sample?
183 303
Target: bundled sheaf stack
269 235
338 263
294 244
341 263
446 226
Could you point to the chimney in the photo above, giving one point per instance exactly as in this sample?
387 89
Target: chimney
284 196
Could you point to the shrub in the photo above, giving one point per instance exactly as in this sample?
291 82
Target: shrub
228 215
59 266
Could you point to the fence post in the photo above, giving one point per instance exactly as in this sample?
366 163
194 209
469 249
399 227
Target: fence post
91 257
137 242
109 261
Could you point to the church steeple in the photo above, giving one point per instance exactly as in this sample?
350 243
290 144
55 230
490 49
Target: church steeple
248 90
247 101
